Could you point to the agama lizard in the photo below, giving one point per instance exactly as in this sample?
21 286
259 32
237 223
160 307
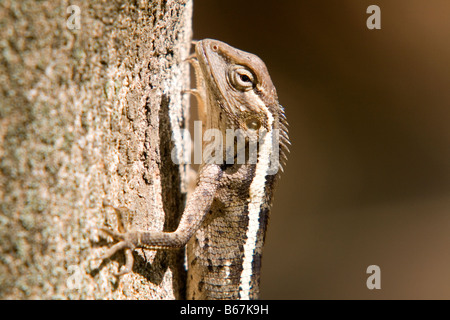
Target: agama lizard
224 222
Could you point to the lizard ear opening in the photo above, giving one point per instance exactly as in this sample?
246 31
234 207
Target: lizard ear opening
253 124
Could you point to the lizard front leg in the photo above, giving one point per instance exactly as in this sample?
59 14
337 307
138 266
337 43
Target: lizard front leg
196 209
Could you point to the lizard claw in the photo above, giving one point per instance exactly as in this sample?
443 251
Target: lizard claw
113 234
129 261
123 244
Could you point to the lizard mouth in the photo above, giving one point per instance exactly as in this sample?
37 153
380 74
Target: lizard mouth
202 51
207 52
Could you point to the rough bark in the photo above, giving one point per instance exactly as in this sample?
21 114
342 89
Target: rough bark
86 117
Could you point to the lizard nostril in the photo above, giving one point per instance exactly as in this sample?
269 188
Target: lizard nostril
215 47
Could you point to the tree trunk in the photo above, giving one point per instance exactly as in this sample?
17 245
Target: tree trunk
90 98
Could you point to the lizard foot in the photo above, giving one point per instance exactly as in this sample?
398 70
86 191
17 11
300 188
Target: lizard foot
125 243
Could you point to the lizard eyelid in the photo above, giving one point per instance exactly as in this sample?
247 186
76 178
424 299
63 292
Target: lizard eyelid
241 78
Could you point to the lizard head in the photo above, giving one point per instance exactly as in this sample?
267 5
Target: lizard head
239 80
240 92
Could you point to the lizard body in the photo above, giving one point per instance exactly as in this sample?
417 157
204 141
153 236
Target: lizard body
225 219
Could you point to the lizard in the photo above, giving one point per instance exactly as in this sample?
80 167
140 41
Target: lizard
224 222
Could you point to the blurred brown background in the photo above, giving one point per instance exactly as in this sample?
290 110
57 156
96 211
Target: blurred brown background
368 178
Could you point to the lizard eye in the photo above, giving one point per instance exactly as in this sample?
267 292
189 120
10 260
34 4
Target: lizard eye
241 78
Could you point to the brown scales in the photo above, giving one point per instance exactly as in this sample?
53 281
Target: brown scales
235 91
